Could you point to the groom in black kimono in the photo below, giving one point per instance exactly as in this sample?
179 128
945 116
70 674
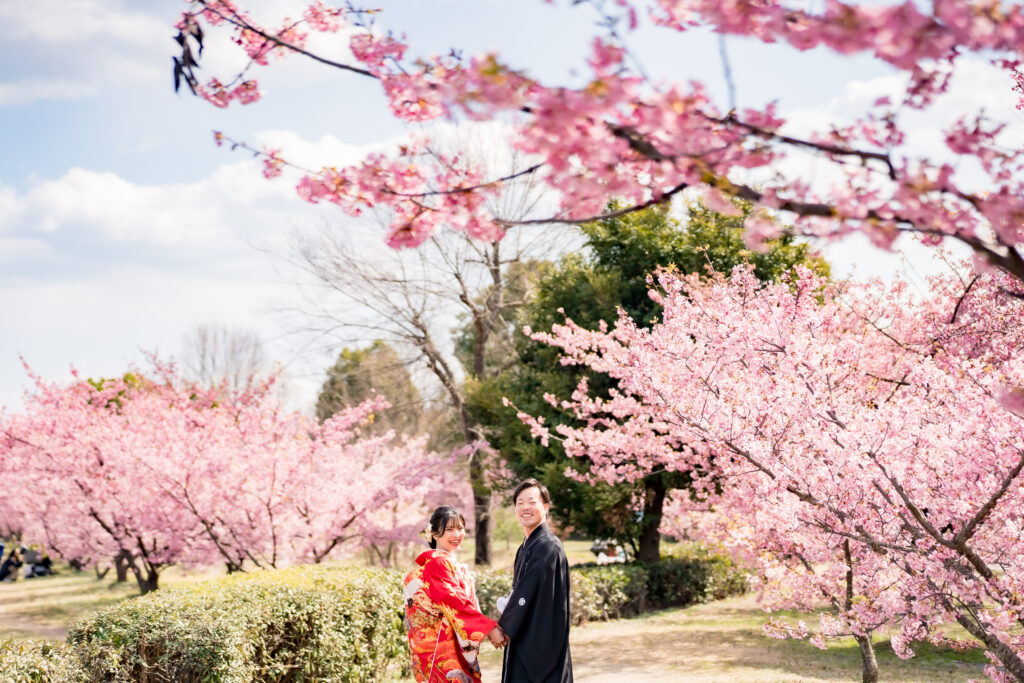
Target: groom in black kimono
536 616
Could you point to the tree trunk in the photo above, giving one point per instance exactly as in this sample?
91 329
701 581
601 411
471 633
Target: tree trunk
482 512
149 580
868 663
654 503
121 565
147 577
100 574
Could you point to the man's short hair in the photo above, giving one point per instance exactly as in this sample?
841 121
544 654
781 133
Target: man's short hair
529 484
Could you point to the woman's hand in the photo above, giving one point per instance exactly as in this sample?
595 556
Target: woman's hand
497 637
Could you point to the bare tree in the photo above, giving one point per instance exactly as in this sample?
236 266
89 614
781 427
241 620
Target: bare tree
414 299
214 353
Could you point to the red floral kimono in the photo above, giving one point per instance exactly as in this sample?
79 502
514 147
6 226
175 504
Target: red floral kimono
443 619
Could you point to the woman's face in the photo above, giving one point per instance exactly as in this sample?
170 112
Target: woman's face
452 537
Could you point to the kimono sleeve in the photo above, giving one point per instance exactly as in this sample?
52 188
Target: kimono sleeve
535 583
444 590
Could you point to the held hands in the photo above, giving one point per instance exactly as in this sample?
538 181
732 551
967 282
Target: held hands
497 637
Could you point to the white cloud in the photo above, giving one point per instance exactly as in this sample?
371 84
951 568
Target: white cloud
98 267
328 150
16 249
26 92
76 21
106 322
233 202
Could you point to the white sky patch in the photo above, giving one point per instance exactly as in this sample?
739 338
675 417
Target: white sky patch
315 154
77 21
15 249
152 307
26 92
974 84
233 201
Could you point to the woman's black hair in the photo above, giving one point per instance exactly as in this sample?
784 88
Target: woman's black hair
442 520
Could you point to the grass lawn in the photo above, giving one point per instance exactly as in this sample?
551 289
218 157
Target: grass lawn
45 607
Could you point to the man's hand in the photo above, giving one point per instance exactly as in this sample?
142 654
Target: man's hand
497 637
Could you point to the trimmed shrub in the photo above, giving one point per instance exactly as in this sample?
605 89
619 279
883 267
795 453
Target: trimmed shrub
689 575
491 584
38 662
299 624
607 592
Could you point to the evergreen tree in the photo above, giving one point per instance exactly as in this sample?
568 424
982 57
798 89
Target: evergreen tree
588 287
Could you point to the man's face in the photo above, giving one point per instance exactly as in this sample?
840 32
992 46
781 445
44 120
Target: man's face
531 510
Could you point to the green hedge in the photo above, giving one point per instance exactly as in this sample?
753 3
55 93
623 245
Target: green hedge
315 623
300 624
38 662
622 590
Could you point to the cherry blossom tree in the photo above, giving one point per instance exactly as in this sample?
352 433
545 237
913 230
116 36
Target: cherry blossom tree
75 451
877 437
163 472
619 134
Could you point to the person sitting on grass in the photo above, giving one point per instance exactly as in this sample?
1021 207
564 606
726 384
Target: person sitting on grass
9 569
42 566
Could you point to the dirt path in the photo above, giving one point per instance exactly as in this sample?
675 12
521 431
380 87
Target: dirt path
723 641
18 626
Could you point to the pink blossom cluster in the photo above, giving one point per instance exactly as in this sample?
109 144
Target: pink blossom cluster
272 164
219 95
904 35
854 442
324 19
172 473
422 198
621 135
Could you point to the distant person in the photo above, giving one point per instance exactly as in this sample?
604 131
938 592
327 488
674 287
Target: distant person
42 566
535 615
9 569
442 614
612 554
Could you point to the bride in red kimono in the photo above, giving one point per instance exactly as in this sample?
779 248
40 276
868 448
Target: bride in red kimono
442 614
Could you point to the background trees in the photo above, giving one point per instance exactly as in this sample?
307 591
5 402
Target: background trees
411 301
361 373
214 354
162 472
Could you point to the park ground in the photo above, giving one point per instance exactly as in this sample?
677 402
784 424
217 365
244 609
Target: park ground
719 641
724 641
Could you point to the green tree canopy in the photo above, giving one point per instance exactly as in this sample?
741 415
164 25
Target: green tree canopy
588 287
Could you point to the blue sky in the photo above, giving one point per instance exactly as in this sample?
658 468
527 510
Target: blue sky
122 225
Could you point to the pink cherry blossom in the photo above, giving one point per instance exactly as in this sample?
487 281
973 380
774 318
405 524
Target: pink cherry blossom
852 442
620 135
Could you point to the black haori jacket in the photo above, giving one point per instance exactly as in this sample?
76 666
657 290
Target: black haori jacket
536 617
